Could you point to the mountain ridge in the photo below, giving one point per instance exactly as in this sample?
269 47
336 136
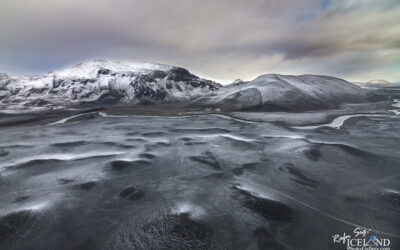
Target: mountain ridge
103 83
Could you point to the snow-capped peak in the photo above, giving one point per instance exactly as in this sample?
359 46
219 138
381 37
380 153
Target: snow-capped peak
90 69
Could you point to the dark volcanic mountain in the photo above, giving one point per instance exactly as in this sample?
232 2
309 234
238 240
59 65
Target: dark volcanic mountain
103 83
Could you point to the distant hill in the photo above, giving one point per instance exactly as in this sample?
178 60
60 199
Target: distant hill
378 81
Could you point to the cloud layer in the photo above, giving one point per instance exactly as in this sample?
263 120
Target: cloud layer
221 39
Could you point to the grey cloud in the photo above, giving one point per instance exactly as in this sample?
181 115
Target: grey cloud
223 39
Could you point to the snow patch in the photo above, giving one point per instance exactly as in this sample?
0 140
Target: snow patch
337 123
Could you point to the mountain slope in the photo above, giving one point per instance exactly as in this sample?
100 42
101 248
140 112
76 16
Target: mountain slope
282 92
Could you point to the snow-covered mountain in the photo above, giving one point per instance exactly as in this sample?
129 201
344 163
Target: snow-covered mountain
284 92
99 82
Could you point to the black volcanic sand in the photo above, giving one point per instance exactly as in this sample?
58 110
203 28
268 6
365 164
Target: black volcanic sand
197 182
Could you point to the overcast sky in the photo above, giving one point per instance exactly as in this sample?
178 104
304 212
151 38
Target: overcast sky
358 40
